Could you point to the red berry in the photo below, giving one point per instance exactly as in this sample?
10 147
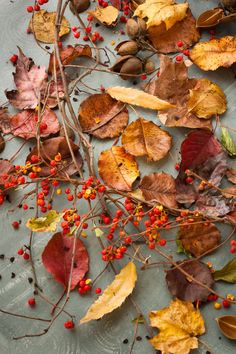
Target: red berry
36 8
26 256
179 58
67 190
189 180
186 52
128 240
106 220
77 34
180 44
101 189
41 2
85 225
177 166
90 18
74 29
88 29
31 301
70 197
226 303
15 224
20 251
119 213
87 287
25 206
162 242
30 9
14 58
85 38
123 19
98 290
143 77
55 183
233 249
34 158
82 283
69 324
151 245
32 175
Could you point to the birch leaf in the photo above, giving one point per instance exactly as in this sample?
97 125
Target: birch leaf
46 223
114 295
138 98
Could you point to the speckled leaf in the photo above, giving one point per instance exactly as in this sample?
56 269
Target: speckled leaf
47 223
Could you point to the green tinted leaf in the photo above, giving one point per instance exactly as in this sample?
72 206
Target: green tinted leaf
227 273
98 232
46 223
227 142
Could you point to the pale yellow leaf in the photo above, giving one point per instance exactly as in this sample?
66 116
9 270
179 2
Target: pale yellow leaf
107 16
158 11
138 98
114 295
47 223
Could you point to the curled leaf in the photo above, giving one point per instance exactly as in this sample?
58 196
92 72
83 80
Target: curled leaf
227 273
227 325
117 168
114 295
144 138
227 142
178 325
47 223
107 16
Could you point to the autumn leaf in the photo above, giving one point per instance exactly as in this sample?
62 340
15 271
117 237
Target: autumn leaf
117 168
214 205
159 187
47 223
228 142
186 289
137 98
227 273
106 15
114 295
145 138
158 11
231 175
25 124
6 168
57 258
215 53
199 238
42 25
206 99
102 116
178 326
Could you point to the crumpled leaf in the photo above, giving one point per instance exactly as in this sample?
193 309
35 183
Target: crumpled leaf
6 168
49 148
161 188
206 99
227 142
199 238
102 116
47 223
215 53
137 98
42 25
57 257
178 325
184 288
24 124
227 325
213 17
212 204
229 192
166 41
227 273
231 175
158 11
117 168
114 295
145 138
108 16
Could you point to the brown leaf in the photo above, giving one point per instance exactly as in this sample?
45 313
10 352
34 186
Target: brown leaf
231 175
102 116
161 188
215 53
165 41
199 238
144 138
213 17
2 143
107 16
229 192
117 168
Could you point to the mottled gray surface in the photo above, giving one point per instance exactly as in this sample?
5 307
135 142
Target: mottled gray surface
107 335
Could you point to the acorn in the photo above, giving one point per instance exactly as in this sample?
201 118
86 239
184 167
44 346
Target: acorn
70 132
128 64
78 6
149 66
135 28
127 48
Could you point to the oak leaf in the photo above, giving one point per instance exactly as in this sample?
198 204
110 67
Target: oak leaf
42 25
215 53
47 223
117 168
178 325
57 258
108 16
145 138
114 295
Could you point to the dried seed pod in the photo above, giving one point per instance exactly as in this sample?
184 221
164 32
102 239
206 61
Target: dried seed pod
132 66
2 143
70 132
118 64
229 4
227 325
127 48
149 66
79 5
142 26
132 28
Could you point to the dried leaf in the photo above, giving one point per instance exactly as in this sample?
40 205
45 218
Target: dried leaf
227 273
159 11
199 239
214 204
183 287
231 175
114 295
2 143
25 124
108 16
159 187
6 167
215 53
206 99
178 325
117 168
102 116
229 192
137 98
47 223
227 325
227 142
213 17
42 25
144 138
57 257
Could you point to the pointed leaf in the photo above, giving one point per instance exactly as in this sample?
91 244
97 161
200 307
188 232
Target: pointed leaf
227 273
228 142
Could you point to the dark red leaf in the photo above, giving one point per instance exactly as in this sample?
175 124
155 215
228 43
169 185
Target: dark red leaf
6 168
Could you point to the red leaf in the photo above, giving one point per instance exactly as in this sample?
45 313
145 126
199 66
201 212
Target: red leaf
57 257
6 168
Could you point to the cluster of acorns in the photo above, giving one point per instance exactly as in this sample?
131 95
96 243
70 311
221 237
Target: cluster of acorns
130 65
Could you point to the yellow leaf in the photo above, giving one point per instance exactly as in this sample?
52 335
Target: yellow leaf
43 26
46 223
206 99
215 53
138 98
179 324
158 11
114 295
107 16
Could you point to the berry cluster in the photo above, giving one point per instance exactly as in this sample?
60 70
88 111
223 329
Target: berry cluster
111 253
37 5
24 253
